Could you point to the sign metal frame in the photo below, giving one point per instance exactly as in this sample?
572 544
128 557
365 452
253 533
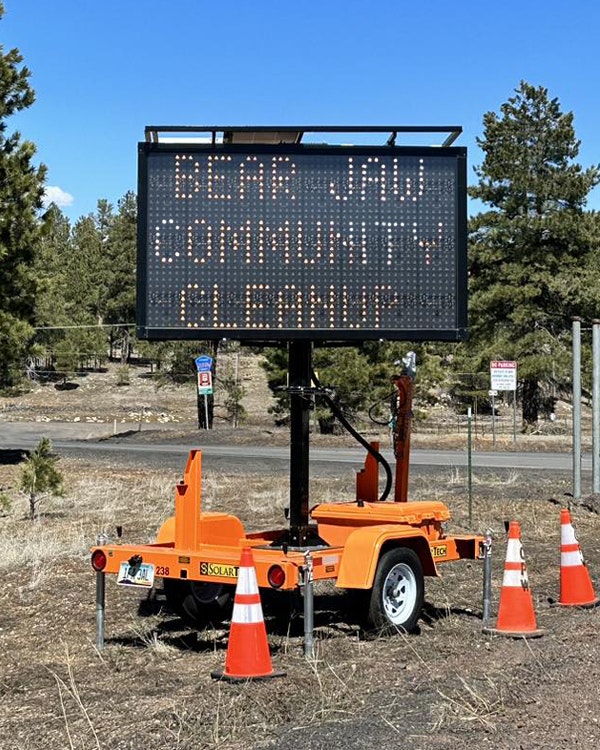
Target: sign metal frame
455 330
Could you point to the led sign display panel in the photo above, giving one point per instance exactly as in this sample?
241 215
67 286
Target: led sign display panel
321 243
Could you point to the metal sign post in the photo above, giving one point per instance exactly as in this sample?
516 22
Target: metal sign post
492 395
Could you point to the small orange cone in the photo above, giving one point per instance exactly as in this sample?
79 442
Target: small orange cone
576 588
248 656
516 616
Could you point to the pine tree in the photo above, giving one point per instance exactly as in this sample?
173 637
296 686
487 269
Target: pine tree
50 268
39 476
86 272
528 253
21 192
120 283
346 372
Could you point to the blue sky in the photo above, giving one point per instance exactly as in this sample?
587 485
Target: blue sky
104 70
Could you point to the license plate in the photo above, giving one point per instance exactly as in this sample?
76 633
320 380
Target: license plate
140 575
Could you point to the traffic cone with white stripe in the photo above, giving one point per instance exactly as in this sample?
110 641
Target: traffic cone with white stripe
516 616
576 588
248 656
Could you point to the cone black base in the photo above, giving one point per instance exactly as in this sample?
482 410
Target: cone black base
514 634
233 679
587 605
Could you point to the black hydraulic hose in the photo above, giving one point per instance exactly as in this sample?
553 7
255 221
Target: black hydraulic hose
386 399
357 436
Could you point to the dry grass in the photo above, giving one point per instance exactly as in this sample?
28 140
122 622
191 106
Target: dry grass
151 686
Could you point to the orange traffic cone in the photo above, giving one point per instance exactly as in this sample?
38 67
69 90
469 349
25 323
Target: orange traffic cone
516 616
576 588
248 656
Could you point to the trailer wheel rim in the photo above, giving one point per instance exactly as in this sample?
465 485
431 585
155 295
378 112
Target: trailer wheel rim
399 595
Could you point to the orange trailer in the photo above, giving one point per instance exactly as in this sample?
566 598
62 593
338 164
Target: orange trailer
383 548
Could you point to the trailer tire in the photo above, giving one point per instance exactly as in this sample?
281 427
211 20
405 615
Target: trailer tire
398 591
199 603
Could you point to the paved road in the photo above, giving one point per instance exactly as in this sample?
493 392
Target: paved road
83 439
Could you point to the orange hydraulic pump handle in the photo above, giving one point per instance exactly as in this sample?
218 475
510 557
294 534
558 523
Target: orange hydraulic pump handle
402 415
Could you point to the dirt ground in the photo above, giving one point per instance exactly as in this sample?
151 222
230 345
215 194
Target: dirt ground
446 685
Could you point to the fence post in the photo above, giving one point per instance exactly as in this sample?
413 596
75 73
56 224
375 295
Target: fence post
596 406
576 407
470 465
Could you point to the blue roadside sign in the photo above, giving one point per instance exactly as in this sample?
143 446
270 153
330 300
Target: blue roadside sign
203 363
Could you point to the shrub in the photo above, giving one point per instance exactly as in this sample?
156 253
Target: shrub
39 476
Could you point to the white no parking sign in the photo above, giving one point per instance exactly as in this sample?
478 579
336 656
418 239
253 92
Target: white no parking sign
503 376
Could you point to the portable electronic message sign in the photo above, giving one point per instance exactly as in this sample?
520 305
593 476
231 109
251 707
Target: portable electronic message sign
289 241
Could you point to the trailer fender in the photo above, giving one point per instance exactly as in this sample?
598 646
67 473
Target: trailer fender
364 547
213 528
166 533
